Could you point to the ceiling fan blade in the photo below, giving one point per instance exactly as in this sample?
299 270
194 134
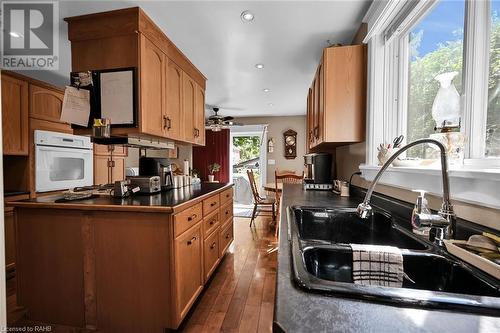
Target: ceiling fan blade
227 118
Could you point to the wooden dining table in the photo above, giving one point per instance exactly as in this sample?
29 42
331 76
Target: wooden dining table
271 187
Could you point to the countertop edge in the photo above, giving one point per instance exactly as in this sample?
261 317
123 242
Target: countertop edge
123 208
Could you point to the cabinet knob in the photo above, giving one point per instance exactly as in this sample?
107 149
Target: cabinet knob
213 204
192 217
212 222
227 236
191 241
212 246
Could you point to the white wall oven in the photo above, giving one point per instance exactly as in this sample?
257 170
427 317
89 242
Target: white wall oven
62 161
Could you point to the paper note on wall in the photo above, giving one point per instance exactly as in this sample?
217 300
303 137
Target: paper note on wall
76 106
117 97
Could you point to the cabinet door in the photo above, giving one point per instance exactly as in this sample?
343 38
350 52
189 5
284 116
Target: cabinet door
173 101
314 111
117 169
10 245
101 169
188 269
211 253
310 121
199 129
320 121
14 116
45 103
188 107
152 88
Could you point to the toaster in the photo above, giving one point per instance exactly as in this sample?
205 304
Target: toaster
146 184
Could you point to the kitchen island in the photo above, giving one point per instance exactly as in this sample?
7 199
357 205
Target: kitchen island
298 310
120 265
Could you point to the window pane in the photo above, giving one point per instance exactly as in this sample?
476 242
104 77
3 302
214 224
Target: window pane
435 47
493 118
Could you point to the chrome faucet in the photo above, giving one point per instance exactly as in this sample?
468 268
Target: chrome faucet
443 225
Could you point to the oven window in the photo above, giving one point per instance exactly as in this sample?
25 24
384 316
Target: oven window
67 168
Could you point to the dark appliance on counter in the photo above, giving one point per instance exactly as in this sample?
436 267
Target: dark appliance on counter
146 184
154 166
318 171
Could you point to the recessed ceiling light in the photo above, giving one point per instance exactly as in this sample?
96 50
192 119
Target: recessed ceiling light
271 104
259 66
247 16
15 34
266 90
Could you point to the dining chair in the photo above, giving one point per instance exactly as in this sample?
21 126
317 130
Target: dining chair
285 178
260 203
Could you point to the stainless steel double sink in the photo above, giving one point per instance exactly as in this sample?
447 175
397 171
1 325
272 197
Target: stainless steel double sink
322 262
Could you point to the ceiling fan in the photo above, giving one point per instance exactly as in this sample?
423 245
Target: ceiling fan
217 122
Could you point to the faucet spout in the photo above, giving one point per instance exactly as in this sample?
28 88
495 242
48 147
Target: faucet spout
364 209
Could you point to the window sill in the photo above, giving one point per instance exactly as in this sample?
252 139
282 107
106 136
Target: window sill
475 186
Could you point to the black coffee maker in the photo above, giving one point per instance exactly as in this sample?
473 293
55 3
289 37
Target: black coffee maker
155 166
318 168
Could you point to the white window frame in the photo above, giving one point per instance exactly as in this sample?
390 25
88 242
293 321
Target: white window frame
387 39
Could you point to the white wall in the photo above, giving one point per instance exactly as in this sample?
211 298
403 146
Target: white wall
278 125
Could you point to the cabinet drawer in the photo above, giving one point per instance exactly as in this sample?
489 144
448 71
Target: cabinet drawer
210 223
225 238
211 253
226 195
187 218
226 212
210 204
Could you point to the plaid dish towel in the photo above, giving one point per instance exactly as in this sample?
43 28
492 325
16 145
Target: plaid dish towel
377 265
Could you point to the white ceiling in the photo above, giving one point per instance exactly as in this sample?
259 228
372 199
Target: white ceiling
286 36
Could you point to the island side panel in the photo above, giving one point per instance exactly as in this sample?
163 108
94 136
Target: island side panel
50 265
133 282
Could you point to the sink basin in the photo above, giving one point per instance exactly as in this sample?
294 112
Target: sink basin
322 262
344 226
428 271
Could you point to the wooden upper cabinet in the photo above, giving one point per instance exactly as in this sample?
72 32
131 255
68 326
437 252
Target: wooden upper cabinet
173 101
199 115
14 115
152 72
310 121
46 103
188 108
129 38
337 98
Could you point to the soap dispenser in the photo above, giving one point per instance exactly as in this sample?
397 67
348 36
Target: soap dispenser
421 207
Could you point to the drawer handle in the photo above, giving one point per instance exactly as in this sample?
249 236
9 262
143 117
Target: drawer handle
191 241
192 217
213 204
212 246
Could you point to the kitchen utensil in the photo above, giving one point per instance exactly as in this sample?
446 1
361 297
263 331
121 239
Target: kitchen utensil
483 243
397 141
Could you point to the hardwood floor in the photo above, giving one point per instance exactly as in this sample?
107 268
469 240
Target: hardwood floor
238 298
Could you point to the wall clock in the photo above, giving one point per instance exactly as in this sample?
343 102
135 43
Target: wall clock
290 138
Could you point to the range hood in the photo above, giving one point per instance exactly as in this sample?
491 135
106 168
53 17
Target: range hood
134 142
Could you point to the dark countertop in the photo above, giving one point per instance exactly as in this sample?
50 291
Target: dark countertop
299 311
169 201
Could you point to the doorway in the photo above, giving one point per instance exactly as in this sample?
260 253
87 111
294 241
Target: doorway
247 152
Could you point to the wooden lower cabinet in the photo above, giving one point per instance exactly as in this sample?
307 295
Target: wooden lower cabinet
134 271
188 269
211 255
10 243
109 163
226 237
